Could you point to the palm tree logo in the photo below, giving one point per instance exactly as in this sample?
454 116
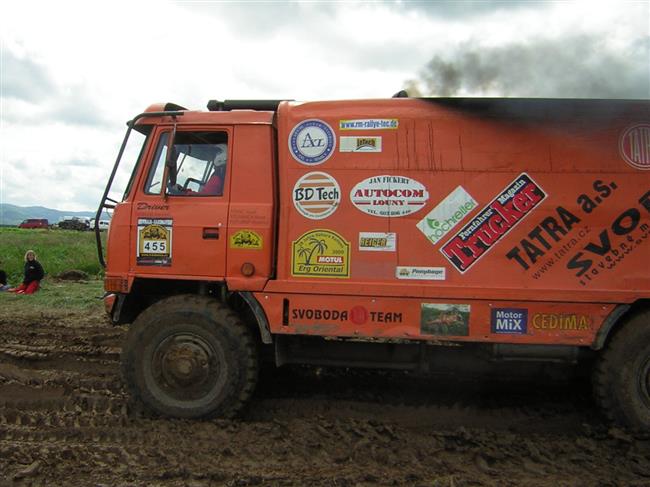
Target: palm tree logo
314 245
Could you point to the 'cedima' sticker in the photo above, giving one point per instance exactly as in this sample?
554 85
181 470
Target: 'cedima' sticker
312 142
634 146
320 253
389 196
377 241
246 239
449 213
369 124
316 195
154 246
360 144
493 222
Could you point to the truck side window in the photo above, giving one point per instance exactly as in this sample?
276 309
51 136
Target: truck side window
154 180
200 159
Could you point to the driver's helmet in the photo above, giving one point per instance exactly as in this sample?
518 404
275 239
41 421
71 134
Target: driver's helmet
221 155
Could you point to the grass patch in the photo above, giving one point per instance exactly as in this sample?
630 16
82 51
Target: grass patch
56 295
57 251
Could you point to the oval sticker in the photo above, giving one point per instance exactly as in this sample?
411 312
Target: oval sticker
312 142
316 195
634 145
389 196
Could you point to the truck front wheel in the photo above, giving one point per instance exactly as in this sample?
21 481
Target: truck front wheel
190 357
622 375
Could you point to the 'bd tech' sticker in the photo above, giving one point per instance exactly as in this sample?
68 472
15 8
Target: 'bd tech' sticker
154 246
312 142
316 195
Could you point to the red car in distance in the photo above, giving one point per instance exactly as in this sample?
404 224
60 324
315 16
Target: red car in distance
34 223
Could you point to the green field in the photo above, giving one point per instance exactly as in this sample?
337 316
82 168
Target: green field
56 250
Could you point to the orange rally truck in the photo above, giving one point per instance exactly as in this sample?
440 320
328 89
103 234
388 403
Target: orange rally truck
430 234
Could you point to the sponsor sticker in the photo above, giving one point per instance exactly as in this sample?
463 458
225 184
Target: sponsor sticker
421 273
358 315
154 246
634 145
321 253
389 196
369 124
316 195
561 321
360 144
509 321
378 242
449 213
493 222
312 142
246 239
444 319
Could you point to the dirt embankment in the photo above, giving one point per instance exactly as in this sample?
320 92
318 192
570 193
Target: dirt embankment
65 420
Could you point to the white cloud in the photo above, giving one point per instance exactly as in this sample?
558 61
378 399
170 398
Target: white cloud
74 72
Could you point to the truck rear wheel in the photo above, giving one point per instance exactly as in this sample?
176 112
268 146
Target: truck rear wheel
190 357
622 375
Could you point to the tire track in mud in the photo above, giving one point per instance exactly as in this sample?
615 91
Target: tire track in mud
65 419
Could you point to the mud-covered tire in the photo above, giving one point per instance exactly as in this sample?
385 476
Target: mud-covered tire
622 375
190 357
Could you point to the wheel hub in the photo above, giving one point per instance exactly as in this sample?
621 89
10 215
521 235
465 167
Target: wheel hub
185 366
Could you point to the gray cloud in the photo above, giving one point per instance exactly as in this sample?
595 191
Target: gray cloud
575 67
23 79
452 10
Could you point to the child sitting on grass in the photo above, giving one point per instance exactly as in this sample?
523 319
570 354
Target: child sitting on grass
33 275
3 281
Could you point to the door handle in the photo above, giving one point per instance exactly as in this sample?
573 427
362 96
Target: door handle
211 233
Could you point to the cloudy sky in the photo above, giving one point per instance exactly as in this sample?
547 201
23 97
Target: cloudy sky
72 73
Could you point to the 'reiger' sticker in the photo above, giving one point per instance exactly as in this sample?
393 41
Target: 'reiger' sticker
246 239
321 253
154 246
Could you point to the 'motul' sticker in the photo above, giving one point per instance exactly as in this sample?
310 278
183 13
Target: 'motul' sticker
316 195
320 253
312 142
634 146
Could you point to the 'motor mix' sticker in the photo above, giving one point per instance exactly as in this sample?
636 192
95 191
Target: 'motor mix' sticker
389 196
246 239
634 145
316 195
493 222
312 142
321 253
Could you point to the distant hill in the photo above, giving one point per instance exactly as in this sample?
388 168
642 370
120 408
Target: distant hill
12 215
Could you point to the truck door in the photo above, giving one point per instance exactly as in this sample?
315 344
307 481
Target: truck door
181 217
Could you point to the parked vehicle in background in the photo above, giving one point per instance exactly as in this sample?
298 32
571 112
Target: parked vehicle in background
34 223
421 234
103 224
75 223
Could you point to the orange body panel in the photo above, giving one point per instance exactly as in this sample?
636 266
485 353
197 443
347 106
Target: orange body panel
514 221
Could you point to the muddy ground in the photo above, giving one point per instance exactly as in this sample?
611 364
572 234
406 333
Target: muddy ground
65 420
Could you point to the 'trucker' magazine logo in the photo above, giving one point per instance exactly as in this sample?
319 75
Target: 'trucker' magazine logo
493 222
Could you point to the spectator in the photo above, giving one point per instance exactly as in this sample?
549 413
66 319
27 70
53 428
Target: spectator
33 275
3 281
